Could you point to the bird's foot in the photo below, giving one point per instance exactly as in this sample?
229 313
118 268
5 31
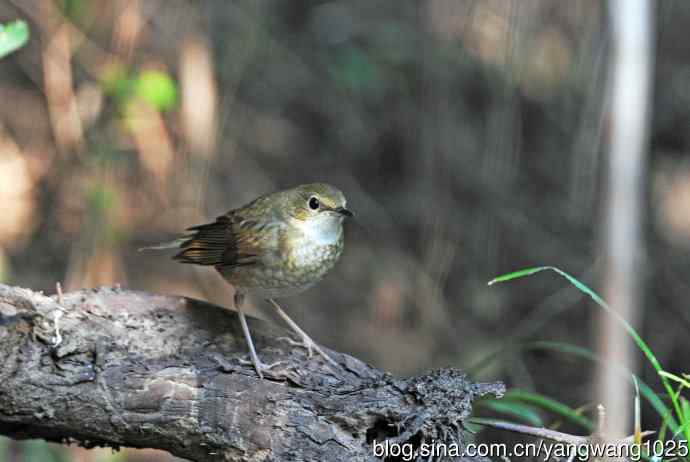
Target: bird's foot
310 346
259 366
306 344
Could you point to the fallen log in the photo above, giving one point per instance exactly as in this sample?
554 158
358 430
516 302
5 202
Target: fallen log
113 367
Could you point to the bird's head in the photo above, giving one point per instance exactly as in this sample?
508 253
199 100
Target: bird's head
317 208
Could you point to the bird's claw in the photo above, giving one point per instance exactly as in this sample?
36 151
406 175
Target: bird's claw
259 366
310 346
307 344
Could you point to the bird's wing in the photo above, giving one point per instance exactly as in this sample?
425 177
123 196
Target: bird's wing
237 238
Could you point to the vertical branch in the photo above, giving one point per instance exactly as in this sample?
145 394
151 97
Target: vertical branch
631 28
58 81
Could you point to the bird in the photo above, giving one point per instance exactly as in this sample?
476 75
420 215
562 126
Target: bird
276 246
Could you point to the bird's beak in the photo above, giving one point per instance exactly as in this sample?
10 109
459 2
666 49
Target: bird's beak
344 211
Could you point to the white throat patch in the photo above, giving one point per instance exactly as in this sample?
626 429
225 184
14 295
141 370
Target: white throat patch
322 229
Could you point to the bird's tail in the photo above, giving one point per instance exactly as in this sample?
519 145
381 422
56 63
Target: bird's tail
175 244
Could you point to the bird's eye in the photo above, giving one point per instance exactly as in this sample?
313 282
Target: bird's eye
314 203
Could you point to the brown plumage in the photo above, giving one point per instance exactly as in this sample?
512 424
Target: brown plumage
225 243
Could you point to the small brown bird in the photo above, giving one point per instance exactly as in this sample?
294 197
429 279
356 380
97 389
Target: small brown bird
276 246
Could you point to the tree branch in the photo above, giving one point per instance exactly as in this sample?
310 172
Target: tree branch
111 367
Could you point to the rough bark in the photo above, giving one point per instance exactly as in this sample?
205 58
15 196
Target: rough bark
127 368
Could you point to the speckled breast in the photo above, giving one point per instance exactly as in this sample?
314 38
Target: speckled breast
303 264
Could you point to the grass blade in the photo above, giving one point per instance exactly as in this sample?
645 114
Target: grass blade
641 344
550 405
515 409
685 383
584 353
517 274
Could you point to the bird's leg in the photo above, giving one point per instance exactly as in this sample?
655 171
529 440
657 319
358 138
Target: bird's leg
256 362
307 342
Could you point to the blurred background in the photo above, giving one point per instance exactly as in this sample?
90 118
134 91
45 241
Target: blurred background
469 137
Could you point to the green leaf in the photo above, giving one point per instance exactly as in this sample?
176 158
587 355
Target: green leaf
550 405
515 409
13 36
116 82
562 347
74 10
156 88
101 198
